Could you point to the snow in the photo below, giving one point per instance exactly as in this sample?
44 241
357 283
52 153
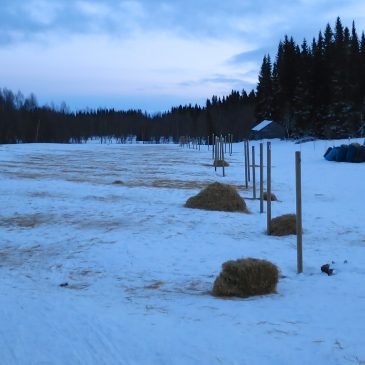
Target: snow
261 125
139 266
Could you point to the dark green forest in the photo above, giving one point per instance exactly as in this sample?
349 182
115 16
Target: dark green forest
315 89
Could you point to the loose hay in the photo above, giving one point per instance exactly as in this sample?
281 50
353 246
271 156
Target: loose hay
273 196
246 277
284 225
217 196
220 163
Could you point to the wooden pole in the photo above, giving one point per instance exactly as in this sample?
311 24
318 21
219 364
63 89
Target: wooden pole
253 173
246 179
261 177
213 144
268 183
215 153
298 179
248 160
223 143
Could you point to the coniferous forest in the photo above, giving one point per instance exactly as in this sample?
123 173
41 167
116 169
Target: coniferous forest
315 89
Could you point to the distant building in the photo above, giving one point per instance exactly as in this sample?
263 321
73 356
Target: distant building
268 129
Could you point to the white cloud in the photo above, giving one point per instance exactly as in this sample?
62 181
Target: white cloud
41 11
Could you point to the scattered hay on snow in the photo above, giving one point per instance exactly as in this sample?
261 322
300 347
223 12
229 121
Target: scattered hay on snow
284 225
246 277
217 196
220 163
273 196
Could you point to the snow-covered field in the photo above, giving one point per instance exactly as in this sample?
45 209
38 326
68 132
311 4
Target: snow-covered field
139 266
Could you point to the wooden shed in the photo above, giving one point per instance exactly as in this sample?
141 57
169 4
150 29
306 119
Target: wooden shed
268 129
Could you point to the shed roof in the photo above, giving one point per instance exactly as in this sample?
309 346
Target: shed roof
261 125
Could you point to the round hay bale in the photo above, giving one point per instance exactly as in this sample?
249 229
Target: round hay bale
217 196
118 182
220 163
245 278
273 196
284 225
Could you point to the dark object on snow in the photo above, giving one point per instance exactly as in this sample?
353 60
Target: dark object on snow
329 149
326 269
360 156
220 163
273 196
341 153
283 225
62 285
217 196
351 153
246 277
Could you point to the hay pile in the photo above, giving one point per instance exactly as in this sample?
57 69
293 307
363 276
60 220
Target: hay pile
118 182
273 196
218 196
246 277
283 225
220 163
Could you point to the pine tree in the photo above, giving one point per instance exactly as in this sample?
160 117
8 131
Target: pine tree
264 92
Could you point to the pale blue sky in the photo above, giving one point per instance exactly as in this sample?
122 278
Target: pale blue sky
150 54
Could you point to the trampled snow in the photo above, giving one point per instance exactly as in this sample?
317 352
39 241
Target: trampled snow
98 272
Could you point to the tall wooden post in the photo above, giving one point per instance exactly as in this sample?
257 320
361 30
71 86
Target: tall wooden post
253 173
213 145
246 177
268 183
248 161
215 153
261 177
222 157
298 179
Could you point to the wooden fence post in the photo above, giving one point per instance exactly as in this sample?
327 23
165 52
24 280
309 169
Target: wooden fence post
246 178
261 177
253 173
298 179
248 161
222 157
268 183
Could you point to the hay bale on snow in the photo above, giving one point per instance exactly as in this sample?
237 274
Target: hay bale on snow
246 277
220 163
217 196
273 196
284 225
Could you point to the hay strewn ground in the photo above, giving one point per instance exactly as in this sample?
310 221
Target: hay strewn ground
284 225
246 277
217 196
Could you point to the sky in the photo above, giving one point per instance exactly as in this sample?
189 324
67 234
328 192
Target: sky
150 54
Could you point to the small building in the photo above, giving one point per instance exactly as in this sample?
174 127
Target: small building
268 129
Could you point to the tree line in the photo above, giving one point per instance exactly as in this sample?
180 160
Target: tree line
23 121
316 89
